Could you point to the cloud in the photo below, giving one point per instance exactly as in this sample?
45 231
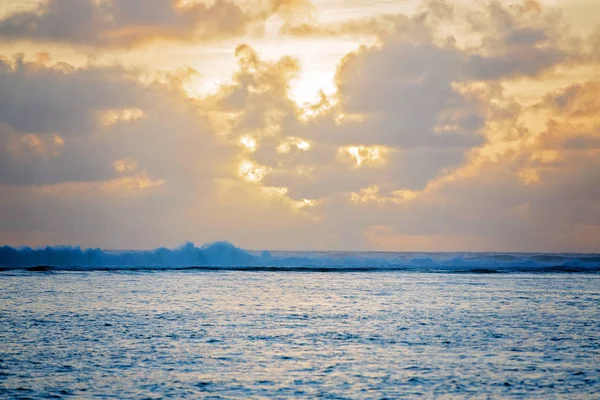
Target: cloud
499 40
40 97
459 161
125 23
64 170
578 100
542 197
406 99
422 142
62 123
414 123
105 157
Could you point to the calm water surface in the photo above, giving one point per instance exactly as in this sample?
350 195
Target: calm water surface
283 334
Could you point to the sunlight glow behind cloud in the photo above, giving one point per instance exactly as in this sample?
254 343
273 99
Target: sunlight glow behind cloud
251 171
355 124
364 155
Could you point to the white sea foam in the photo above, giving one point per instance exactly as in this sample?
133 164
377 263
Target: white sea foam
224 255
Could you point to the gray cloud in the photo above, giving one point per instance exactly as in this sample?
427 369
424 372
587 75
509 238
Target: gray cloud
62 98
515 40
409 92
72 103
125 23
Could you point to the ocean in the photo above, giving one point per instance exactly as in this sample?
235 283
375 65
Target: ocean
219 322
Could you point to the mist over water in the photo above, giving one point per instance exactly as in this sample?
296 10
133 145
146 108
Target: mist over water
224 255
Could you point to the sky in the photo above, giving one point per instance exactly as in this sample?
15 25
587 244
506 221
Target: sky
398 125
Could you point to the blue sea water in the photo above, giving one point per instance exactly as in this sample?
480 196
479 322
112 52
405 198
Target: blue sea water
219 322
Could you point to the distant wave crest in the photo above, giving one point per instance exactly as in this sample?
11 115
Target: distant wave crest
225 256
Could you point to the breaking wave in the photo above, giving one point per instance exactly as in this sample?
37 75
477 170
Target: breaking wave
225 256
